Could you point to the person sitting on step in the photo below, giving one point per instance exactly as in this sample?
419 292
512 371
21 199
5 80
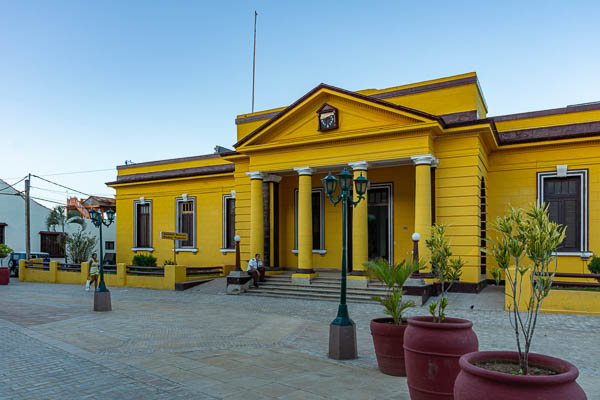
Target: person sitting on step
256 269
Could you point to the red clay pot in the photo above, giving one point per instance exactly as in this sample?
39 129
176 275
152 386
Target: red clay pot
4 276
474 383
432 351
388 340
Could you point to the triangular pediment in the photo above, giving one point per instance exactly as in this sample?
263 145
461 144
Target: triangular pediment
355 114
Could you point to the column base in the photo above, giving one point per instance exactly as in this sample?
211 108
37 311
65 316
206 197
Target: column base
342 342
303 279
357 281
102 301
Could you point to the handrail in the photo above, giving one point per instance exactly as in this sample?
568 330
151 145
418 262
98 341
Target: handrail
572 275
143 267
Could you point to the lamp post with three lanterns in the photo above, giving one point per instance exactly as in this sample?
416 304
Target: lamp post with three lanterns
342 331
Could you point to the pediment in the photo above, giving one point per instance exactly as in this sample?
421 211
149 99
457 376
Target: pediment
356 114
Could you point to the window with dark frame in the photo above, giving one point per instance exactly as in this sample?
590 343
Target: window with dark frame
228 222
53 244
186 222
563 198
2 236
317 223
109 245
483 227
143 227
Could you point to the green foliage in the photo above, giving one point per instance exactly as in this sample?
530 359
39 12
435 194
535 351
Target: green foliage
446 270
393 277
58 216
169 262
144 260
594 266
526 241
80 246
4 251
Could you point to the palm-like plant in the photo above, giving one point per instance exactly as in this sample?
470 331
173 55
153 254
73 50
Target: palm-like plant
393 277
58 216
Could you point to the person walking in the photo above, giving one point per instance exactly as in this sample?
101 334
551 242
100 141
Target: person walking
256 269
94 273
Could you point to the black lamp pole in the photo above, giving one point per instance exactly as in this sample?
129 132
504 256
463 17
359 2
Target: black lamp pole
102 295
342 332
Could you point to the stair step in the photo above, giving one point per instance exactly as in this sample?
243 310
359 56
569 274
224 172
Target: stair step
303 295
312 289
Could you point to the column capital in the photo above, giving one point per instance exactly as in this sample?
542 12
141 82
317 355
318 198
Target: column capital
304 170
255 174
424 159
359 165
272 178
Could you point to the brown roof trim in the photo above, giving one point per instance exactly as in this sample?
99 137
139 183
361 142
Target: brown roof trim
426 88
3 224
544 113
558 132
256 117
461 116
52 233
169 161
489 121
174 173
342 91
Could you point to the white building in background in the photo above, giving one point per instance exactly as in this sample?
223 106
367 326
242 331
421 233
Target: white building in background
12 226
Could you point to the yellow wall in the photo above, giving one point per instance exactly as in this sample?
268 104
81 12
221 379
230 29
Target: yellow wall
513 180
209 193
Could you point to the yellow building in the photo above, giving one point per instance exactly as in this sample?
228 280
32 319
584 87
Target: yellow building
429 151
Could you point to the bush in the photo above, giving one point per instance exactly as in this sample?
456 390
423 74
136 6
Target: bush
169 262
594 266
4 251
144 260
80 246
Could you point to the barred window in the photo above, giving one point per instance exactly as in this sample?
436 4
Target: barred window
186 216
143 224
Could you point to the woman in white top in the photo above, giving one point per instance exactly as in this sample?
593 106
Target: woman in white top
94 271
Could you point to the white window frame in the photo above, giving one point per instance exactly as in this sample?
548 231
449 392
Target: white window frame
137 203
224 249
583 175
178 246
321 250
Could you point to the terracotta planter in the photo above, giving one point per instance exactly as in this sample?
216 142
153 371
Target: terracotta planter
482 384
4 276
432 351
388 340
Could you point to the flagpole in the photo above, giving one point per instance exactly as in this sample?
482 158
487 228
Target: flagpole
254 60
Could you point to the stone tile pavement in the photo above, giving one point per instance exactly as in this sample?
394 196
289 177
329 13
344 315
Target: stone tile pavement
202 344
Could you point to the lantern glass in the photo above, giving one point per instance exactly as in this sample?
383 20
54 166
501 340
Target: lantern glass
360 184
110 214
94 215
330 184
345 179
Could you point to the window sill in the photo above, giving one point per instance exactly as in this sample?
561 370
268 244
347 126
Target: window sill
186 250
319 252
149 249
583 254
225 251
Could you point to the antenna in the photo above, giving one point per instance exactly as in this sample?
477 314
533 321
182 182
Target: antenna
254 59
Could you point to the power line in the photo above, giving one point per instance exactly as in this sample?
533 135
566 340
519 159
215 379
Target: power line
63 192
63 186
69 173
12 186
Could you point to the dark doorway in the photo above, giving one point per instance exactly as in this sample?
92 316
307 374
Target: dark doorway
379 215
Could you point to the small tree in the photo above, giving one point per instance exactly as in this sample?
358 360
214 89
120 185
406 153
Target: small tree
80 246
444 269
393 277
58 216
4 252
528 239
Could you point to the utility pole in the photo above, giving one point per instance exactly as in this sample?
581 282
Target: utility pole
27 219
254 60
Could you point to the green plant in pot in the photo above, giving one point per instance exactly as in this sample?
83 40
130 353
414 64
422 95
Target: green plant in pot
524 250
388 333
594 266
432 343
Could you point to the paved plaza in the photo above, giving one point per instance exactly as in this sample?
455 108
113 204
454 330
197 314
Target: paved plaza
203 344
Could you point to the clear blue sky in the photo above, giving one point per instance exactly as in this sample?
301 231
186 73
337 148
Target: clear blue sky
86 85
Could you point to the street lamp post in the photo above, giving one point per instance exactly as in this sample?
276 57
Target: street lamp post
342 331
102 295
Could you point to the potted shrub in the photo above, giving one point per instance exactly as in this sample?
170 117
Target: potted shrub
524 251
594 266
433 344
388 333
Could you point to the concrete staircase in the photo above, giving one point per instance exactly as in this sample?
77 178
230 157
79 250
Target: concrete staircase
327 287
